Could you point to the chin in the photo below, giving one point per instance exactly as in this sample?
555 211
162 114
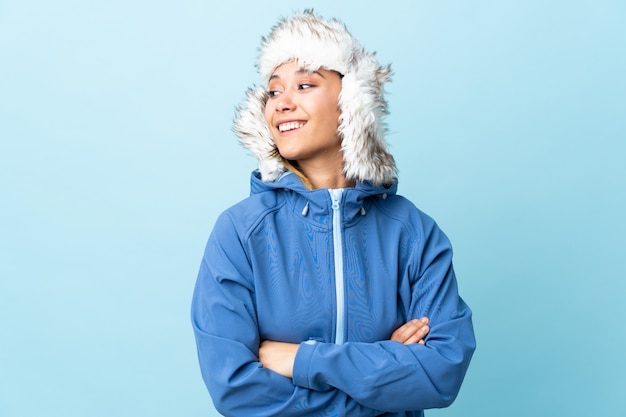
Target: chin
290 157
290 154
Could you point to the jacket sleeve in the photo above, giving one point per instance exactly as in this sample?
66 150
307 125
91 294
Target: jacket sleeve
227 338
393 377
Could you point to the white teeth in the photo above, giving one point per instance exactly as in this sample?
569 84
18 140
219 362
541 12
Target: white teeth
283 127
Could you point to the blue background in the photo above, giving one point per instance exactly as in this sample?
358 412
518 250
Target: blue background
116 155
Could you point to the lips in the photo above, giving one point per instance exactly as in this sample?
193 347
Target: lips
287 126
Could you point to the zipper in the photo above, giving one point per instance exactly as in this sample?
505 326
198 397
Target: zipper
335 196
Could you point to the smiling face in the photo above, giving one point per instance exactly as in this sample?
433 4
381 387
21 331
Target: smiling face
303 116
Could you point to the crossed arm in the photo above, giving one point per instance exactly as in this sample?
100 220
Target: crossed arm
280 356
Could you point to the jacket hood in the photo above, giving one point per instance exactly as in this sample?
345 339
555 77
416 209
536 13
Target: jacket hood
291 182
316 204
317 43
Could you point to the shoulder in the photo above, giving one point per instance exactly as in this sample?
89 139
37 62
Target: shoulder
421 230
244 216
400 209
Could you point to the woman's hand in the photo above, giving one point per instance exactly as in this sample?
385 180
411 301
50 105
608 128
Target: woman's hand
278 356
412 332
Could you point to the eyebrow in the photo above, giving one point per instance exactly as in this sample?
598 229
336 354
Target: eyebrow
299 72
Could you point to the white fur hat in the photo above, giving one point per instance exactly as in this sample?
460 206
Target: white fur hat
317 43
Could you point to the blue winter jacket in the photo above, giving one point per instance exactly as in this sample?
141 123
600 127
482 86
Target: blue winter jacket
337 272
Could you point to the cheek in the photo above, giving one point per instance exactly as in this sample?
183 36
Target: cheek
268 114
334 114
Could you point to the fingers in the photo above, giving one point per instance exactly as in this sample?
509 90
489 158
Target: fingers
420 330
412 332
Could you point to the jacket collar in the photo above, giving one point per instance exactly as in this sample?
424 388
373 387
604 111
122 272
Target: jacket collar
316 205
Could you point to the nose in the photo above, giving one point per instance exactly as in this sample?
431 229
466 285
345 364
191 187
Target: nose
285 102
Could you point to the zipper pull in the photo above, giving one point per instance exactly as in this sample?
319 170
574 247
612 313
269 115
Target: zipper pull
335 196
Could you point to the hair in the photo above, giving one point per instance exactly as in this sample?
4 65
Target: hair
292 166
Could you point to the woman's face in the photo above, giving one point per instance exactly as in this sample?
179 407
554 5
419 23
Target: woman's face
303 115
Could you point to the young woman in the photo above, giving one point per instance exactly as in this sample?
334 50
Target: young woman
325 293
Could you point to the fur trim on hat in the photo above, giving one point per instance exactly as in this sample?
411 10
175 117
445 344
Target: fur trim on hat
317 43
